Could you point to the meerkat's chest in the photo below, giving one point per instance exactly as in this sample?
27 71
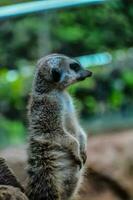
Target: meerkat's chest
68 107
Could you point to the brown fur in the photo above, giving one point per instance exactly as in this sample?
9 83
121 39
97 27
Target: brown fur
56 141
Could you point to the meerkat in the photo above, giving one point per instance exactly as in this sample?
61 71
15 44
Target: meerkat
57 143
10 188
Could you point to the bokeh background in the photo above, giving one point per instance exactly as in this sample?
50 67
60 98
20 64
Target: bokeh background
101 37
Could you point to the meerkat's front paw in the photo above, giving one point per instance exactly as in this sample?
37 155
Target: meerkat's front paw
78 160
83 156
73 146
76 153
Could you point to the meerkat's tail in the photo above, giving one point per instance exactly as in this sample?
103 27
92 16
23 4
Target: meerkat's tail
7 177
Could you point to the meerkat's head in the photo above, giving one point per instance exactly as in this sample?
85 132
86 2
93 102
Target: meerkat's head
60 71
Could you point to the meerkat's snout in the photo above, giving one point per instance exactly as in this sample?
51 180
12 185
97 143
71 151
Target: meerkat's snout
81 73
84 74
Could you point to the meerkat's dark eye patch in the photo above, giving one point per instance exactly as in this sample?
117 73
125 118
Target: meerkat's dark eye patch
56 75
75 66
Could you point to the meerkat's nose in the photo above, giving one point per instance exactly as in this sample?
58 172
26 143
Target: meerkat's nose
84 74
56 75
89 73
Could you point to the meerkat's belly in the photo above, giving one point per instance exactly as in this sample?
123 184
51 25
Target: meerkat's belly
68 174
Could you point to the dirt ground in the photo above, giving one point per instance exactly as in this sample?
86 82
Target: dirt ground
109 166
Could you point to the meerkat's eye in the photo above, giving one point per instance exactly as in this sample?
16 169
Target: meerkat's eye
56 75
75 66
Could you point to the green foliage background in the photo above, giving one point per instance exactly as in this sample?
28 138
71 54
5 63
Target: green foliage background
77 31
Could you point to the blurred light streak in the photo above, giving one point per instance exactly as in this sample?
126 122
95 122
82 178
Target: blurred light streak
41 6
95 59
